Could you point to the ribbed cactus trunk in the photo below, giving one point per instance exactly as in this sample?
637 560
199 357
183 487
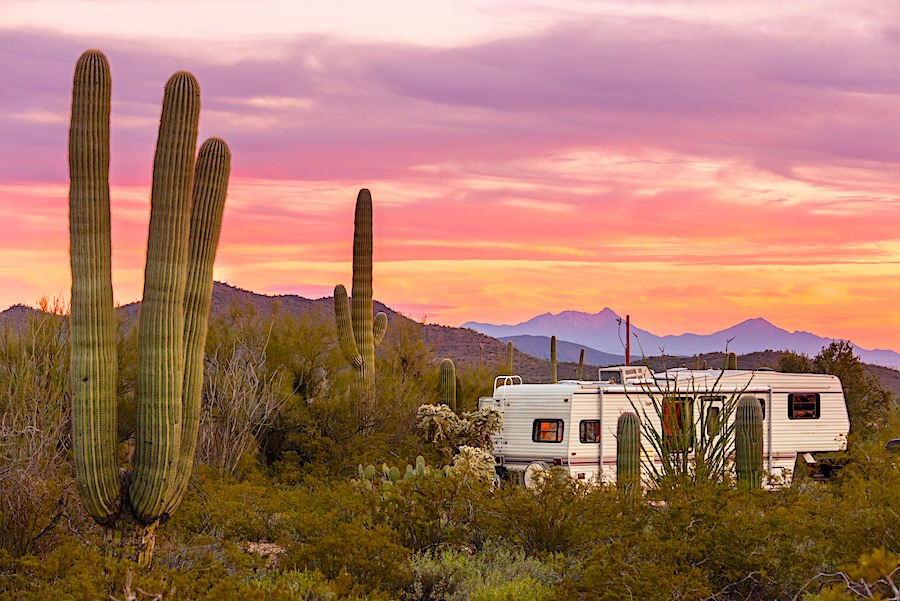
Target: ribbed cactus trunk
358 332
447 384
553 378
211 175
579 373
161 322
93 322
186 213
628 453
508 368
748 442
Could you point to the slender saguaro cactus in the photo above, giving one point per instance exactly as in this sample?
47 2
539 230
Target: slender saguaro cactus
358 332
579 373
509 359
628 453
553 379
447 384
748 442
185 219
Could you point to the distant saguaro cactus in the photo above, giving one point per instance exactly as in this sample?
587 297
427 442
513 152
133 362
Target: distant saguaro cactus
508 369
553 378
579 373
185 219
748 442
628 453
447 384
731 361
358 332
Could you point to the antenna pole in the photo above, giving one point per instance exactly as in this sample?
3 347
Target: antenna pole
628 340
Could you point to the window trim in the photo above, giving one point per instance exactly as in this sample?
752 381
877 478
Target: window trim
536 430
582 427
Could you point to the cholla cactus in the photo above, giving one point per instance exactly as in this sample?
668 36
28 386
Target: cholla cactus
475 463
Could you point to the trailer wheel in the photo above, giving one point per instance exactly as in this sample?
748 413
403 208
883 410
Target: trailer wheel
533 474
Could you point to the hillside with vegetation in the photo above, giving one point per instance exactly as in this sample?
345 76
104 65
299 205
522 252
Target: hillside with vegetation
278 509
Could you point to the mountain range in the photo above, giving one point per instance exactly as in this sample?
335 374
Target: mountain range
604 332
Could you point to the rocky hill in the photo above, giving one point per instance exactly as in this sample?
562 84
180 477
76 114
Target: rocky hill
465 346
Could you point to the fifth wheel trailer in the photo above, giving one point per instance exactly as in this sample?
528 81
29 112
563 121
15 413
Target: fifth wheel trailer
572 424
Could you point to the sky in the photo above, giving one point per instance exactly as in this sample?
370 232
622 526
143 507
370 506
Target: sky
690 163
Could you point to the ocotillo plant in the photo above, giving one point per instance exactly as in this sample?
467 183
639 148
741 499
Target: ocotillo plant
185 219
553 379
628 453
748 442
580 371
447 384
358 332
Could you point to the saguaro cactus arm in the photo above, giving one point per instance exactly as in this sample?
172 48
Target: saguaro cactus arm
344 324
161 323
93 322
379 327
210 189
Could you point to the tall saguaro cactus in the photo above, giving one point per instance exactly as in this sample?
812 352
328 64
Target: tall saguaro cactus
553 378
579 372
185 219
447 384
748 442
358 332
628 453
508 368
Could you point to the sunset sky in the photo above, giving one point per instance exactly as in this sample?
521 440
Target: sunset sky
690 163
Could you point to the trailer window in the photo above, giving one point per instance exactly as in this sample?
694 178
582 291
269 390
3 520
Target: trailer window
547 430
713 418
713 424
677 418
611 376
589 430
803 405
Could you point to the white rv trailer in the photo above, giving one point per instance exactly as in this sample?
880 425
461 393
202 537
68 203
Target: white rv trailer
572 424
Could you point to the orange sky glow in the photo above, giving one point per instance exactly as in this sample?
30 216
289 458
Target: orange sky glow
688 163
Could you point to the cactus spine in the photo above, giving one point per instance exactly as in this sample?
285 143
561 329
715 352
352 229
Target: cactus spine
579 373
447 384
748 442
358 332
186 211
628 453
553 379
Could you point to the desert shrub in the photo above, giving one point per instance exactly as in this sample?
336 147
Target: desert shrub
542 521
495 572
35 485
